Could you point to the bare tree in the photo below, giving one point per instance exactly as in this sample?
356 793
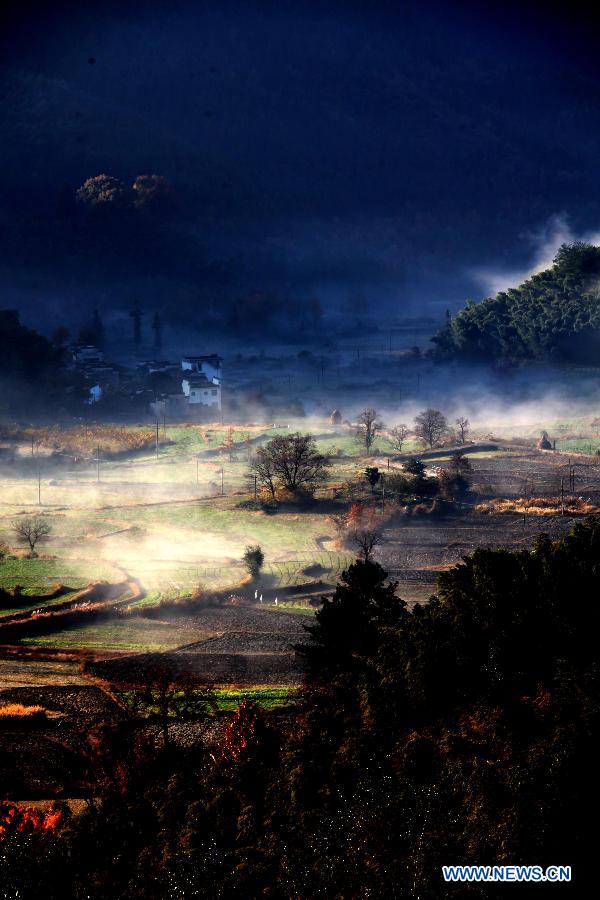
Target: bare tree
430 426
369 424
363 529
398 435
365 539
463 426
167 697
291 462
31 529
263 467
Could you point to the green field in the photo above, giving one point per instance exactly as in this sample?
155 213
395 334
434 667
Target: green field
229 699
165 521
131 633
38 575
171 521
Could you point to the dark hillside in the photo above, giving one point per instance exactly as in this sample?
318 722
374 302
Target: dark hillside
553 316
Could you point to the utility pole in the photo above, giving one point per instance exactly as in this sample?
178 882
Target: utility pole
39 485
255 488
136 317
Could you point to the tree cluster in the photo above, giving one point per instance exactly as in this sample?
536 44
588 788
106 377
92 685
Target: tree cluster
554 315
102 192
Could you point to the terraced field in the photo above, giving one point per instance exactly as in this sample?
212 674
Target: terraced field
164 521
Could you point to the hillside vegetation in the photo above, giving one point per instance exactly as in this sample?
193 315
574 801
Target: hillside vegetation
553 316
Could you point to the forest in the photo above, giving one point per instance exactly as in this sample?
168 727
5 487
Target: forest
554 316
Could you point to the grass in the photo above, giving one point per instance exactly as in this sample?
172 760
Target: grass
39 575
130 634
27 605
480 454
228 699
538 506
353 446
18 714
578 445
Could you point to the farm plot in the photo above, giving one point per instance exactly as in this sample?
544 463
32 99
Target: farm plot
531 473
237 644
164 521
122 633
414 554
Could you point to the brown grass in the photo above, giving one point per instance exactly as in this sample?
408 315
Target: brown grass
538 506
17 712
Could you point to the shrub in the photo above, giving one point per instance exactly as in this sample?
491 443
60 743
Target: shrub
253 559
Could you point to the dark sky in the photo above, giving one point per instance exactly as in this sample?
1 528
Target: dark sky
389 151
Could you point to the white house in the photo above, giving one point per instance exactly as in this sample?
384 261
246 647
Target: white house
201 381
205 365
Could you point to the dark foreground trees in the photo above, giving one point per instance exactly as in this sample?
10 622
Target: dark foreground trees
465 731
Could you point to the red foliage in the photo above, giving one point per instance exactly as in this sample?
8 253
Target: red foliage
354 516
241 733
361 516
19 820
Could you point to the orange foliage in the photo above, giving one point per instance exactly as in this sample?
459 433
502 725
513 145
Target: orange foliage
19 820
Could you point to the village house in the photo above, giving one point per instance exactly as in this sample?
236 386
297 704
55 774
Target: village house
200 395
99 376
201 381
